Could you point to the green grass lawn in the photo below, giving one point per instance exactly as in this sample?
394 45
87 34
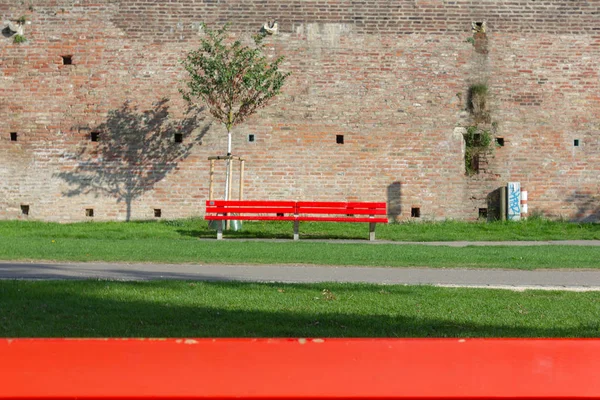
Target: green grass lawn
230 309
260 252
534 229
177 242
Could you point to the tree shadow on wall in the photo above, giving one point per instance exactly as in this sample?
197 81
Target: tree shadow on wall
588 206
132 151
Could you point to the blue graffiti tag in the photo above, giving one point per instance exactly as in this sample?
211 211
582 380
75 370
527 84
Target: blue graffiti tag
513 200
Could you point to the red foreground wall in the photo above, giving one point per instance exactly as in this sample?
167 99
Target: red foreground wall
300 368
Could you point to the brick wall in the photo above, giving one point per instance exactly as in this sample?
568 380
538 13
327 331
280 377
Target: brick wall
392 77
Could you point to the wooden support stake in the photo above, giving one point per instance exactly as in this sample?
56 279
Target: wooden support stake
212 177
241 180
230 178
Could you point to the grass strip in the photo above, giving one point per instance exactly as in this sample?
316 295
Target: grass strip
234 309
193 228
315 253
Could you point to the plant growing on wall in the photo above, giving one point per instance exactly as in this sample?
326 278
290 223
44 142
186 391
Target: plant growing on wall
233 80
18 39
478 137
477 142
14 29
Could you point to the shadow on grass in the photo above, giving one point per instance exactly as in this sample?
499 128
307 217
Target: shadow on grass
282 230
209 233
38 309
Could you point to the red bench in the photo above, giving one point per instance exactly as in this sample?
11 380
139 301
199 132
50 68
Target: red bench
292 369
296 211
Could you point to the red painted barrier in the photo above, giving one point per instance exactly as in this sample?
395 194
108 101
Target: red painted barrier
300 368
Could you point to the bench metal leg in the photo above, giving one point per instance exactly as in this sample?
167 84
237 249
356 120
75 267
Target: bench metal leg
220 230
371 230
296 230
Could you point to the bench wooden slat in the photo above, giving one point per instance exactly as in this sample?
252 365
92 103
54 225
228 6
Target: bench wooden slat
334 204
250 203
254 210
292 369
343 219
248 218
344 211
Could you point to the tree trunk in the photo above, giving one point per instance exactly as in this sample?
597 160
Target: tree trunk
228 169
228 172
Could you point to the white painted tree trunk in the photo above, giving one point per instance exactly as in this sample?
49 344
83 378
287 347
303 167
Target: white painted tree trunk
228 169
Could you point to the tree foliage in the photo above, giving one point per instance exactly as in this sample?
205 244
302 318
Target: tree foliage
232 79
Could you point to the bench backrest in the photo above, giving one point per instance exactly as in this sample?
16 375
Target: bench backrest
293 207
250 206
341 208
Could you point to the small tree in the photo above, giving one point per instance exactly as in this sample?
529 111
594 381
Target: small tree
232 79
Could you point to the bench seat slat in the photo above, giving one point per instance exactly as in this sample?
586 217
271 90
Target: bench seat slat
343 219
247 218
256 210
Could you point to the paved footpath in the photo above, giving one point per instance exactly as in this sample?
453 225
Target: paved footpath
449 244
575 280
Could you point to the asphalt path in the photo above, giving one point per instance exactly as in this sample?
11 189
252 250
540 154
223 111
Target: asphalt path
457 243
575 280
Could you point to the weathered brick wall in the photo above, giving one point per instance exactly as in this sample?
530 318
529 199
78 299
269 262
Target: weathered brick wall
392 77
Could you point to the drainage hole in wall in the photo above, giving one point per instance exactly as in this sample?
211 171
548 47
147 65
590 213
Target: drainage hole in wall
483 213
67 60
500 141
415 212
24 210
157 213
89 212
339 139
13 136
94 136
576 142
178 138
251 138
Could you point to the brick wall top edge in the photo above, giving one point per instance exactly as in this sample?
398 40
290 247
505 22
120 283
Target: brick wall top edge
179 19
